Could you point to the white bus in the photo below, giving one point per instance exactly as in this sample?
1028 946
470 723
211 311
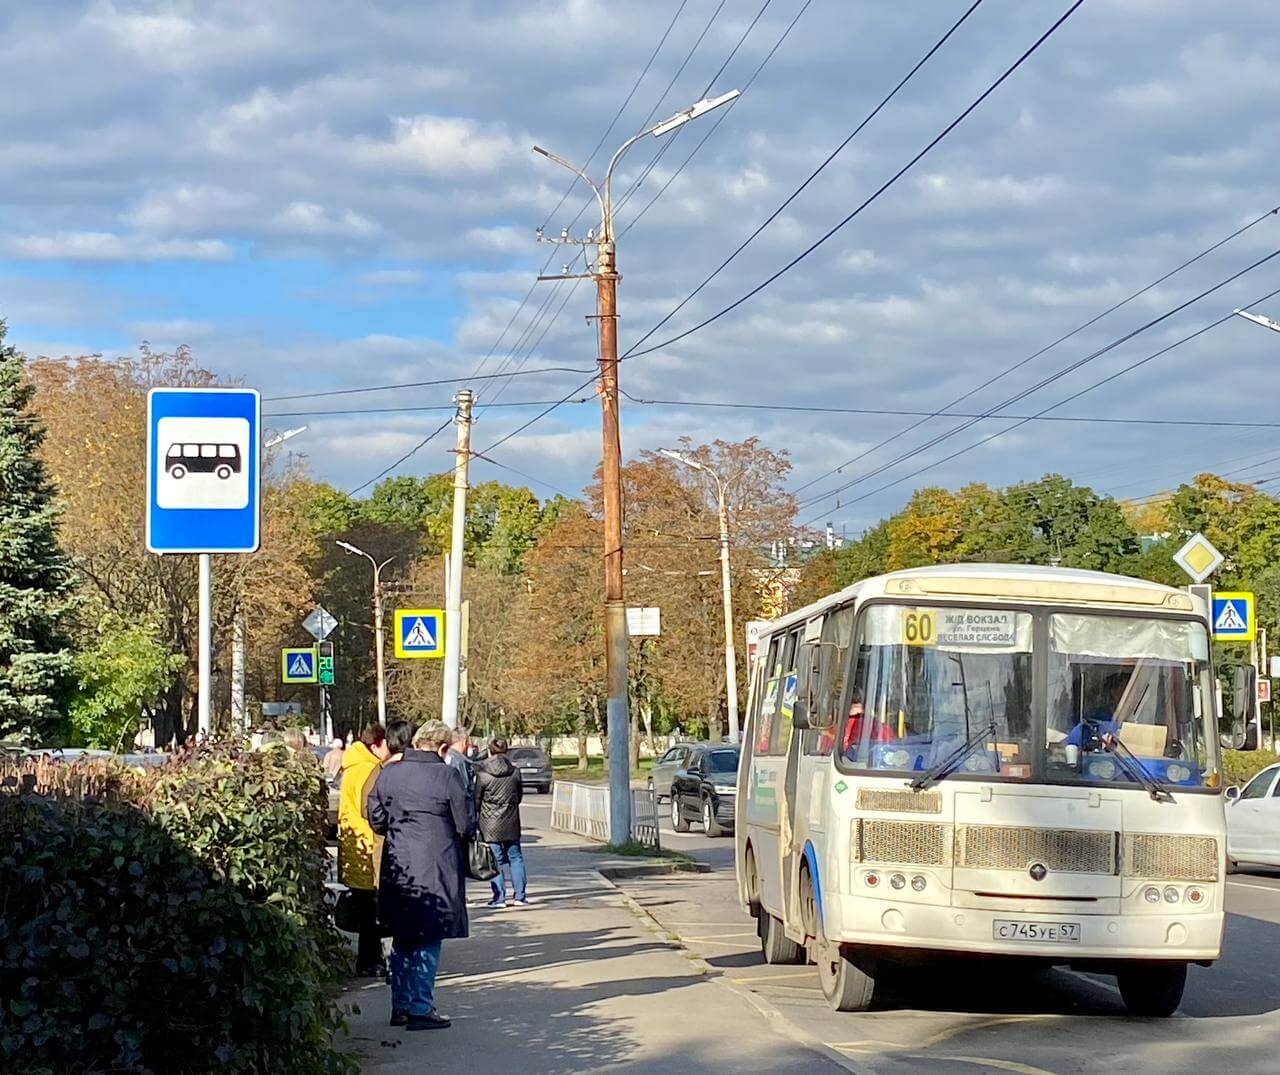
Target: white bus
992 761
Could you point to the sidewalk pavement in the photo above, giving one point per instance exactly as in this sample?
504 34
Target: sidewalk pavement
575 982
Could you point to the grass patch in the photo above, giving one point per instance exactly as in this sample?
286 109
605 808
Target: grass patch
635 849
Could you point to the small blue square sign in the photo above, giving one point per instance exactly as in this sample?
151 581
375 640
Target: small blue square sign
203 470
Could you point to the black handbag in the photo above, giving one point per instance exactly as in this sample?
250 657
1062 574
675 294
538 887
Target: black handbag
481 865
350 914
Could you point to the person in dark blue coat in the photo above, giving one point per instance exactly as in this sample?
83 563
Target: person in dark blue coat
420 806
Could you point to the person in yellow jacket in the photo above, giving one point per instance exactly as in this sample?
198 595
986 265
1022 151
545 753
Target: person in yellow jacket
358 848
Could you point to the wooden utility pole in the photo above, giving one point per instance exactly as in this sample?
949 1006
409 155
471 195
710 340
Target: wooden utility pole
453 595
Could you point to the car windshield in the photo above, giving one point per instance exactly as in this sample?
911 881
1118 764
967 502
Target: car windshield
527 754
1141 681
926 680
722 761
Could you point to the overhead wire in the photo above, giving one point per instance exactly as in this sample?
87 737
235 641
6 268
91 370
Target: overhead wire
812 175
1053 406
632 352
1037 386
1043 350
412 451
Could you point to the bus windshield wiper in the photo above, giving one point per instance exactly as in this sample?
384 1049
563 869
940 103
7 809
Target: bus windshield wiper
955 759
1132 765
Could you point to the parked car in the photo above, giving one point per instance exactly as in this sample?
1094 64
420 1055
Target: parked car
665 767
534 766
705 790
1253 820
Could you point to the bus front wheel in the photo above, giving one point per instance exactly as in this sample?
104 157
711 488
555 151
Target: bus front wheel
178 472
224 472
846 983
1152 989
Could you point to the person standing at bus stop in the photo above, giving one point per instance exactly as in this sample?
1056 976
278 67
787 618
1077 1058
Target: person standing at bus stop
357 845
499 791
420 806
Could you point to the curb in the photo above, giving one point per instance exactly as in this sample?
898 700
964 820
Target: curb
772 1014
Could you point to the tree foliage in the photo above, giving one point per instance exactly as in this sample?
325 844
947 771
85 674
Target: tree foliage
36 578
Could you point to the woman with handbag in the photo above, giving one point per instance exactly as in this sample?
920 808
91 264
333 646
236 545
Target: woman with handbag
421 808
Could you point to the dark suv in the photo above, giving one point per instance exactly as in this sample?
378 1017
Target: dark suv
705 790
534 766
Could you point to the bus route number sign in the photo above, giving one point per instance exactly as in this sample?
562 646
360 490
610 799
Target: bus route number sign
919 627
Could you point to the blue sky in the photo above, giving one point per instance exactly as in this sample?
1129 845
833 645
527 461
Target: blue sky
324 195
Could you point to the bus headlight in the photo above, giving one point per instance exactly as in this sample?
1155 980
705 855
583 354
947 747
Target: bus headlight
897 880
1102 768
1172 895
918 882
1151 894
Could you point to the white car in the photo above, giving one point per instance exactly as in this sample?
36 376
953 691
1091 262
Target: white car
1253 820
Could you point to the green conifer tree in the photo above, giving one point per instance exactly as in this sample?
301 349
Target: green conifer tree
36 577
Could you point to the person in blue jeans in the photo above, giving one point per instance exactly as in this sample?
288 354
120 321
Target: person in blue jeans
498 794
420 806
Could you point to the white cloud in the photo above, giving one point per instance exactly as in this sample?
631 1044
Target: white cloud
859 261
309 220
108 246
391 277
501 239
187 207
440 146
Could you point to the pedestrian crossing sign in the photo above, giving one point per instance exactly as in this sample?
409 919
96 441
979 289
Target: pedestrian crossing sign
1234 617
419 632
298 665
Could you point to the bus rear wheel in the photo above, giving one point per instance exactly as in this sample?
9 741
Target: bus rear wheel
776 947
223 472
178 472
847 985
1153 990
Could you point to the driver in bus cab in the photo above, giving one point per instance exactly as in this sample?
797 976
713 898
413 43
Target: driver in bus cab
1101 719
853 729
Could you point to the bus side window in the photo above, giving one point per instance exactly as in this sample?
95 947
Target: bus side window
787 685
837 637
766 700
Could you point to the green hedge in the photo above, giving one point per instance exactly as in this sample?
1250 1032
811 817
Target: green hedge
179 928
1239 765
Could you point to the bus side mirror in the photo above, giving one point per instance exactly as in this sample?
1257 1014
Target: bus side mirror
1243 731
802 711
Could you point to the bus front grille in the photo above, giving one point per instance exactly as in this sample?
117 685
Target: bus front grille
995 847
920 843
1170 858
902 802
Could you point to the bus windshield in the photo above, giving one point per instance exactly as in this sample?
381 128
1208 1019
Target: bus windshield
1126 697
927 680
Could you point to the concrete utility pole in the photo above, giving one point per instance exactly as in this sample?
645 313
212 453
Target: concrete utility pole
377 623
730 656
453 595
615 612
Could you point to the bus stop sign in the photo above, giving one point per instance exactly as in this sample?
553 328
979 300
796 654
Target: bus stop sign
203 470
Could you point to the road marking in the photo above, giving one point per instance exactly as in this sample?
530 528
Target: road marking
991 1062
866 1044
774 977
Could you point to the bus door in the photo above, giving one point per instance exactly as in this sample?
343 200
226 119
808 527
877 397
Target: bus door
771 737
823 669
795 787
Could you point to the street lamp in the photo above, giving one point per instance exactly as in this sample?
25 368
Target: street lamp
1258 319
377 621
730 658
605 272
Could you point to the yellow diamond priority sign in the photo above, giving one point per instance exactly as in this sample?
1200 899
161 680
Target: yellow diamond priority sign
1198 558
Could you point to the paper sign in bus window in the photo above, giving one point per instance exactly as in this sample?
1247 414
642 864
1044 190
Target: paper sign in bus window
203 463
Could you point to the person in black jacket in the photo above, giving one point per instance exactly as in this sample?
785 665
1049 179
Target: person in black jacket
420 806
498 794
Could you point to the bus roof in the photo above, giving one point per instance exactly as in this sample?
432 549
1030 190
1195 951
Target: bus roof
1021 583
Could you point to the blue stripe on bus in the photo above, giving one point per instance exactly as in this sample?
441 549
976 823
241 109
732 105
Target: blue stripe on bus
812 858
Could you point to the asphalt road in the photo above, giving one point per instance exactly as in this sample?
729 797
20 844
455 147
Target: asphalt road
967 1018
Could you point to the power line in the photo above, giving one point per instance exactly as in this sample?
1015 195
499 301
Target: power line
812 175
416 448
715 126
1053 406
1048 347
1042 383
805 408
421 384
633 353
522 474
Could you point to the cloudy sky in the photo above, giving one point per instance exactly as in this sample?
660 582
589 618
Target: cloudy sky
327 195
